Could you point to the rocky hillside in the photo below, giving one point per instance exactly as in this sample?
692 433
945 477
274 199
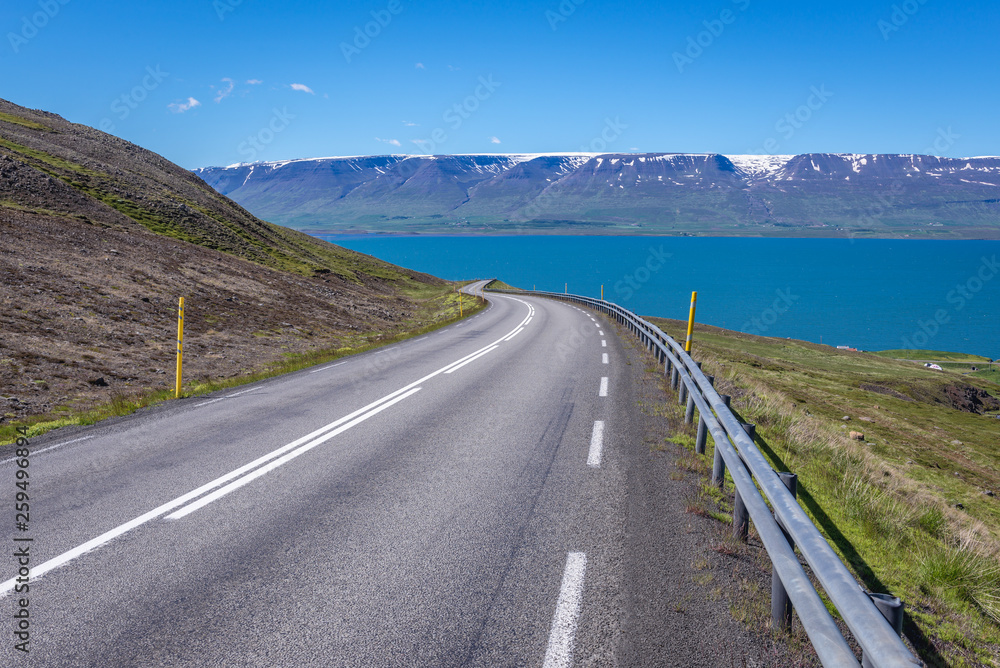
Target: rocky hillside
804 195
101 237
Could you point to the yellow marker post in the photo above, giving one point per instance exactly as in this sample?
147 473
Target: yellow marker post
180 347
461 313
602 292
566 289
687 342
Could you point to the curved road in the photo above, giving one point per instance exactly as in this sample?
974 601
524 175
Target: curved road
453 500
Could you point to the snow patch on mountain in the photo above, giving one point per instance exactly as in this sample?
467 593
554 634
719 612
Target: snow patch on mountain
760 166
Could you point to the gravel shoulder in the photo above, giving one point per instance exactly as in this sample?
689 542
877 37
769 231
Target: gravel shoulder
694 596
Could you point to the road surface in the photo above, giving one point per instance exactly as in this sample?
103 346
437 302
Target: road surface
457 499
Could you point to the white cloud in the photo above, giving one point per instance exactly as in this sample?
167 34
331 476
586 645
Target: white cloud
494 140
394 142
226 90
304 88
181 107
452 68
410 125
254 82
420 66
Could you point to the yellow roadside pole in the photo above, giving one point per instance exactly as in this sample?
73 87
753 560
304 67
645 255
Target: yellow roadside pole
566 289
687 342
602 292
461 313
180 347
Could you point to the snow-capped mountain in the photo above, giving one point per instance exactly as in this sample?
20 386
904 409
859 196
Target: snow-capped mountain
650 192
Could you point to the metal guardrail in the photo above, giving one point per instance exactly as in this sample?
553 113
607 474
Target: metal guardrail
787 527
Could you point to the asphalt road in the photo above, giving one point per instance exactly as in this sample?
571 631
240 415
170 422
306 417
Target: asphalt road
454 500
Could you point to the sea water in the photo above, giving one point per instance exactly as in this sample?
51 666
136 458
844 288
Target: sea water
868 294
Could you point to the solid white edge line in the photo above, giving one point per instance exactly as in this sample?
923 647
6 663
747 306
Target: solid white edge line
236 484
228 396
471 359
603 392
604 358
328 367
562 637
51 447
596 445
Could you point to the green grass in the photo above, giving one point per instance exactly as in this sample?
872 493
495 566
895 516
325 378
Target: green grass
992 375
930 355
905 508
17 120
499 285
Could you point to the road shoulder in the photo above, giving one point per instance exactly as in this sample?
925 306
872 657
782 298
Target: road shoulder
686 581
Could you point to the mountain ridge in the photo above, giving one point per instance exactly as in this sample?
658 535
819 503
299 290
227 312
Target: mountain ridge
822 194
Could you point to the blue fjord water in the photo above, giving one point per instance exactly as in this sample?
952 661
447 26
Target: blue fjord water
869 294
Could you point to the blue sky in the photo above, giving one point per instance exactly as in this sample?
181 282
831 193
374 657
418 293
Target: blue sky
214 82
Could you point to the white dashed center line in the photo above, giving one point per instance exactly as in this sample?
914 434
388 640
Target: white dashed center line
596 445
563 635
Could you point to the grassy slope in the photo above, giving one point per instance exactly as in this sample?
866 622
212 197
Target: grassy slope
906 507
166 199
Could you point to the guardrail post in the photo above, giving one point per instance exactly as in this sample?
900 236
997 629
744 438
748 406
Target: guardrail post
892 609
741 516
699 443
689 412
781 605
674 375
718 463
682 391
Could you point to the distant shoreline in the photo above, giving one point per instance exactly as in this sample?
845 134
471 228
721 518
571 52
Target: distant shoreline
983 235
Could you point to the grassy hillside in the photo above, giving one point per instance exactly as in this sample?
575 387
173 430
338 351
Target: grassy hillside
912 507
53 167
101 238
